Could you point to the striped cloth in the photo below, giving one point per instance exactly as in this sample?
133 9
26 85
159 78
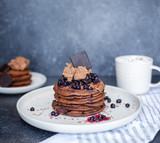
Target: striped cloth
142 130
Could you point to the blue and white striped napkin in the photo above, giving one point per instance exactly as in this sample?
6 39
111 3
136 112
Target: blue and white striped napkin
142 130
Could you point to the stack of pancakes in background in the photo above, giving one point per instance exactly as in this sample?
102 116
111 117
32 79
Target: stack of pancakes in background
79 102
16 73
20 78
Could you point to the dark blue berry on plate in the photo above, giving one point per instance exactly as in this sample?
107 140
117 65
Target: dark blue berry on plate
113 105
109 100
99 118
103 116
118 101
92 118
32 109
54 113
127 105
95 118
106 97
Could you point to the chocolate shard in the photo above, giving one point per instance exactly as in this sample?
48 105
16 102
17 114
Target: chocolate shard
81 59
4 68
5 80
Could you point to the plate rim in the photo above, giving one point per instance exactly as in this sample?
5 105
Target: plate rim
127 119
24 89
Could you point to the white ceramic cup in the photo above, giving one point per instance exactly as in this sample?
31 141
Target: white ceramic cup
134 73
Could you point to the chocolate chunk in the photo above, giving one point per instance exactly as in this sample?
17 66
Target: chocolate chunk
81 59
4 68
5 80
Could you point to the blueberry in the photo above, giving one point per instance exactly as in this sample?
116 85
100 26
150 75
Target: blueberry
95 118
53 101
113 105
96 80
86 87
109 100
90 88
106 98
118 101
74 86
91 74
89 81
56 114
32 109
83 82
60 82
65 84
99 118
127 105
78 87
68 83
53 113
64 78
92 118
103 116
94 75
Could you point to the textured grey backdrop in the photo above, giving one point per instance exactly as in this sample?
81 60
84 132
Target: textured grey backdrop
49 31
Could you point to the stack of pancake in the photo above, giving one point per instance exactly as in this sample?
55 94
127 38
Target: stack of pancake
17 73
20 78
82 102
79 92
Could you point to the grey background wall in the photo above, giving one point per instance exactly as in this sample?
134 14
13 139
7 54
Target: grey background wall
48 32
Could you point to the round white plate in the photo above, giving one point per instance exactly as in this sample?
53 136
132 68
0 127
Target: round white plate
41 100
37 81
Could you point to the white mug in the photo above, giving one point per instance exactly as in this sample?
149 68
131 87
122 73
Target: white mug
134 73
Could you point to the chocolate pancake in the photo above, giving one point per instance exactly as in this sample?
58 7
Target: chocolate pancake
15 73
73 102
96 104
21 83
22 78
77 113
80 107
80 101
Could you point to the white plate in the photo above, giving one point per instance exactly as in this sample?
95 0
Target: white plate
37 81
41 100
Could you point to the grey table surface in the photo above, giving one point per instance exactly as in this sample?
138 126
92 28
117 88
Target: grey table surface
14 130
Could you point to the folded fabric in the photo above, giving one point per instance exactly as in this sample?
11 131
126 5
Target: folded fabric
141 130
